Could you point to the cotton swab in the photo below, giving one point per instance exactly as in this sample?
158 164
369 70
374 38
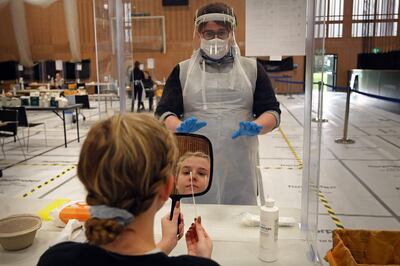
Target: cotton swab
194 202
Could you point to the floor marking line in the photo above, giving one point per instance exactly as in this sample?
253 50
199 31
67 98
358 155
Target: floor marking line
360 215
321 196
40 154
56 187
385 140
299 161
36 188
44 213
365 185
46 164
295 118
332 214
279 168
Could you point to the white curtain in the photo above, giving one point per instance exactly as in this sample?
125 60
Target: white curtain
3 3
21 33
71 20
41 3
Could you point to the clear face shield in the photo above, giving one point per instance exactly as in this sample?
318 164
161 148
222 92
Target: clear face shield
214 40
214 34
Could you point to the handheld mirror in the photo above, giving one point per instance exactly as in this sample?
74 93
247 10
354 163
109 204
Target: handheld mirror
193 176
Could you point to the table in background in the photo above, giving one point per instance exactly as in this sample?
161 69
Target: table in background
27 92
2 124
56 111
102 87
106 96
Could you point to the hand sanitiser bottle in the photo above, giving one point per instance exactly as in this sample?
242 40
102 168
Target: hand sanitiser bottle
269 218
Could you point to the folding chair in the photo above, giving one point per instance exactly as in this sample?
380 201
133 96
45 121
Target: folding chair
10 129
84 100
23 122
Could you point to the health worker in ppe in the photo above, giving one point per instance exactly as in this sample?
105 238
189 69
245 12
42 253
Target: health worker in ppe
226 97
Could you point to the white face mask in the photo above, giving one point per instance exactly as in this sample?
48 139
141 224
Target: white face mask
215 48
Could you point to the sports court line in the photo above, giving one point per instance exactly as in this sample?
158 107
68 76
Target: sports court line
47 182
58 186
383 138
366 187
360 215
321 196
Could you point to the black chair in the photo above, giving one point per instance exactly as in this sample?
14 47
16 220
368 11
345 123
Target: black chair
10 128
84 100
23 122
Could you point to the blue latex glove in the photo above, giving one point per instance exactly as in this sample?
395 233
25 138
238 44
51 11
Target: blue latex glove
247 128
190 125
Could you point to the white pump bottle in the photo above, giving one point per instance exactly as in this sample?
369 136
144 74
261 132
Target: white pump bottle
269 219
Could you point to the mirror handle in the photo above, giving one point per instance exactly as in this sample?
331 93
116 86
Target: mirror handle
175 199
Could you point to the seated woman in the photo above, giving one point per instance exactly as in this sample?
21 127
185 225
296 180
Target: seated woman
193 170
126 165
59 82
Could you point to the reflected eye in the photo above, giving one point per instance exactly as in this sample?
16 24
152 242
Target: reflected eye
210 34
202 174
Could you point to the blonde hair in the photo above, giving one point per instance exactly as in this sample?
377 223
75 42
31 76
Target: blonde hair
187 155
122 162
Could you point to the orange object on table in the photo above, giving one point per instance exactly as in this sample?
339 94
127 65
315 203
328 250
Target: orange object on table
70 92
159 91
71 86
79 211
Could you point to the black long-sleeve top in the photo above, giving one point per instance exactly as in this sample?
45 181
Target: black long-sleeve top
264 98
71 253
137 74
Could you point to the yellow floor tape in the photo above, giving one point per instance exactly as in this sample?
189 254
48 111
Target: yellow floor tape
322 198
44 213
36 188
298 159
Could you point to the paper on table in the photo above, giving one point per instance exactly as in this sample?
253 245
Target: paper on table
249 219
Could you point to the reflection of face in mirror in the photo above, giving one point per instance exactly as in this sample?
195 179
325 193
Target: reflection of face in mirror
193 168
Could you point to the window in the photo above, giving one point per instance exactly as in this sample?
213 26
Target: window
376 18
335 30
319 30
385 29
329 19
127 22
362 29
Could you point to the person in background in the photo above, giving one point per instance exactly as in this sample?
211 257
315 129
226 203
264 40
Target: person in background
149 87
127 165
226 97
136 79
59 82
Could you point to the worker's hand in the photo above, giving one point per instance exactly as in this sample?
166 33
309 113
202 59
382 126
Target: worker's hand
190 125
197 240
170 232
247 128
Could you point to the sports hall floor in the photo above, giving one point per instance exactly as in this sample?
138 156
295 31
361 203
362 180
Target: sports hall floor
360 182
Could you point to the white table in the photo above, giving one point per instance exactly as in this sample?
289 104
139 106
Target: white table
105 96
234 244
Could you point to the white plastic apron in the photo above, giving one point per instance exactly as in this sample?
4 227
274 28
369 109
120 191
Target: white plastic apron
225 100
